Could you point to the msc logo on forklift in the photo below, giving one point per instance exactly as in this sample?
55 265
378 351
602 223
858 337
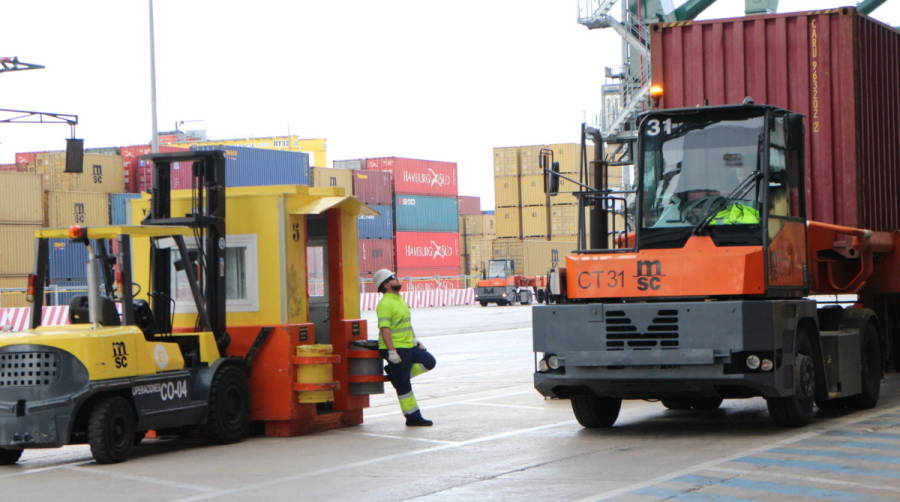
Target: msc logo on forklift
120 355
648 275
169 390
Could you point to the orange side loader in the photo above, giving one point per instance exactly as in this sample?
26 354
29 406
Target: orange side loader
503 287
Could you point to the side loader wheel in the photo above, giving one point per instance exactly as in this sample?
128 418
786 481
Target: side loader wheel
9 457
111 430
595 412
229 407
838 404
796 410
706 403
677 404
483 303
541 296
871 371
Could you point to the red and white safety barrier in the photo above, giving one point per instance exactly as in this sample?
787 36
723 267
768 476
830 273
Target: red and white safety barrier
428 298
17 319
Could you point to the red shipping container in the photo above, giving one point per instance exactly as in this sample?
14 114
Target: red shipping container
418 177
469 204
140 178
373 187
9 168
130 155
428 279
26 160
375 254
840 69
418 250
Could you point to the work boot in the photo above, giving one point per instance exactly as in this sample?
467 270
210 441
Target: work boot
418 420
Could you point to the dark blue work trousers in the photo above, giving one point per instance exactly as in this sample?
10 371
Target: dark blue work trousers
400 374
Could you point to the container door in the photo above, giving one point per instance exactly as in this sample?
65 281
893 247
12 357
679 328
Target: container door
317 277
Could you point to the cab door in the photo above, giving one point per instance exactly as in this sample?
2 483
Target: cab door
317 283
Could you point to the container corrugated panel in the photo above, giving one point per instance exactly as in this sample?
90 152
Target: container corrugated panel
425 213
13 298
477 251
9 168
77 208
61 292
567 154
469 204
313 147
840 69
534 221
257 166
427 250
100 173
532 187
17 249
506 191
353 164
509 222
506 161
477 224
377 227
67 260
533 257
26 161
333 177
564 222
420 177
119 209
373 187
429 279
21 198
375 254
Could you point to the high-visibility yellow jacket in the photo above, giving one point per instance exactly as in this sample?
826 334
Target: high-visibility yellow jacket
393 313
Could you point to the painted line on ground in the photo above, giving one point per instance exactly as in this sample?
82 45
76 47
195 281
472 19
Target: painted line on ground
454 403
804 452
729 458
877 435
800 477
772 487
852 444
372 461
819 466
514 406
143 479
389 436
45 469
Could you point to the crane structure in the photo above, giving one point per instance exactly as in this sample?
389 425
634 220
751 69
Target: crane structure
13 64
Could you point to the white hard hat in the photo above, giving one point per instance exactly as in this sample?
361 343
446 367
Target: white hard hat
381 276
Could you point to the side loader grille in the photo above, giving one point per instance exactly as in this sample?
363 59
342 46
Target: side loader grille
20 369
623 333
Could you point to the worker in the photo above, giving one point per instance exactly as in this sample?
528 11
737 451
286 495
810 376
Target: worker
397 342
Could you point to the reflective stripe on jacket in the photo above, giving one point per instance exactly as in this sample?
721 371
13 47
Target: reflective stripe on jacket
393 313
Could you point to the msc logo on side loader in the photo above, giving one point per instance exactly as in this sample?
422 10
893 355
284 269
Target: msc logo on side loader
649 273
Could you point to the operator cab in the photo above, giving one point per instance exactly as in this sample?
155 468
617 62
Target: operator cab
726 172
500 268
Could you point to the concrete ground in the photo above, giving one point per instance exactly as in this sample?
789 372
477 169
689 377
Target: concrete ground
495 438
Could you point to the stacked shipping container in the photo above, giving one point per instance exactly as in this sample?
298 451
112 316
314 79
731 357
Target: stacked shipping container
376 233
21 213
425 219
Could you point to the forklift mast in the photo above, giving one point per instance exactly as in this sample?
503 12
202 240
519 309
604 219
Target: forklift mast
207 217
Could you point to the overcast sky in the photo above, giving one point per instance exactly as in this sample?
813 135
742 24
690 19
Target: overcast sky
412 78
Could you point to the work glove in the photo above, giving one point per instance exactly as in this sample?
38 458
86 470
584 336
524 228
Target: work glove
418 344
394 357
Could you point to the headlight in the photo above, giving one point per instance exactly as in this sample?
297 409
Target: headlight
542 365
766 365
753 362
553 362
503 295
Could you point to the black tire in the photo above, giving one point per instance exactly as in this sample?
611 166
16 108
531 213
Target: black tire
871 371
9 457
797 410
229 407
541 296
706 403
483 303
595 412
111 430
677 404
832 405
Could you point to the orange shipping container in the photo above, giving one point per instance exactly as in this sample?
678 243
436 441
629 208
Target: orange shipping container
101 173
77 208
21 198
17 249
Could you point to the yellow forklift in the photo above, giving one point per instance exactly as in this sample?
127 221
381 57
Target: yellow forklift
169 346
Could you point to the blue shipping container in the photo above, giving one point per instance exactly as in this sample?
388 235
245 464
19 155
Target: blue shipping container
120 209
426 213
68 260
246 167
62 292
377 227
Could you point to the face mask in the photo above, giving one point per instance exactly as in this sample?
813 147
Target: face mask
396 288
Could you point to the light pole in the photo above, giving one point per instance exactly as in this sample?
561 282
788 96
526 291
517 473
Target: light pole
154 140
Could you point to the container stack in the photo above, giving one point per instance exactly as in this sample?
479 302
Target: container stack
21 213
425 220
333 177
476 235
376 233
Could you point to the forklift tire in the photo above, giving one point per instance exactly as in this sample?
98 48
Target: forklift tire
483 303
541 296
871 371
9 457
595 412
111 430
229 407
677 404
797 410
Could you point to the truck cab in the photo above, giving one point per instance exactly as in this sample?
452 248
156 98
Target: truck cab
502 286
